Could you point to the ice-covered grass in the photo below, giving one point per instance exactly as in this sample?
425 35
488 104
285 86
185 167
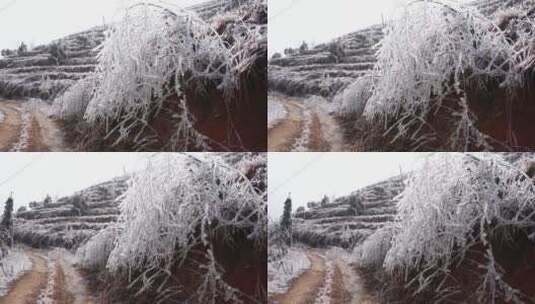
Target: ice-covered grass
431 58
276 112
282 271
156 51
12 266
454 204
175 206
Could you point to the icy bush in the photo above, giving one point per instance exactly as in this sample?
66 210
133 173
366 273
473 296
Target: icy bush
153 53
437 50
94 254
353 99
456 202
73 102
12 266
372 252
175 206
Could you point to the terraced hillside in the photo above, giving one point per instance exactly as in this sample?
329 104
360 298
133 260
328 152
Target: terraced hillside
348 220
46 70
72 219
324 71
320 71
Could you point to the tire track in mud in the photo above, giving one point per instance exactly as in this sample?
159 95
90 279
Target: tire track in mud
328 281
26 128
51 280
305 128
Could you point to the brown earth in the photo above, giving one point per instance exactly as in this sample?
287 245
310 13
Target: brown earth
44 133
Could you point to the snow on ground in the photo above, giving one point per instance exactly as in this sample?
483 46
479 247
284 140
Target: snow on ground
281 272
276 112
24 137
12 267
324 295
47 294
1 117
301 145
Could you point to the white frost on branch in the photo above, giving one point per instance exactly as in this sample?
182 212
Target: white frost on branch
435 51
454 203
174 206
154 52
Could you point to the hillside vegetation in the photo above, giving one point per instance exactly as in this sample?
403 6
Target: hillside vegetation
441 76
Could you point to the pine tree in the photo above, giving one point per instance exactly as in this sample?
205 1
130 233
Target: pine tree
7 220
286 219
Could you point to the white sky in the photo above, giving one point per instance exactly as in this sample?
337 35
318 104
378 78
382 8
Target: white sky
309 176
60 174
40 21
317 21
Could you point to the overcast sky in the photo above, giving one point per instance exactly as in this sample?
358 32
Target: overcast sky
31 176
40 21
317 21
309 176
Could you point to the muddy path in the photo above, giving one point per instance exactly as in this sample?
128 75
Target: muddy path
52 279
306 127
303 289
329 280
27 288
26 127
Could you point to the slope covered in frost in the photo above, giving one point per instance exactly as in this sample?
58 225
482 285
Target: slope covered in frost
70 220
47 70
348 220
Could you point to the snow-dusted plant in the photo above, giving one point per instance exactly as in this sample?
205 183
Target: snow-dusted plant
156 51
428 60
176 206
352 100
94 254
73 102
453 204
372 252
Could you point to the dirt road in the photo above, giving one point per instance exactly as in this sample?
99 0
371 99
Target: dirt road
27 127
306 127
51 280
330 280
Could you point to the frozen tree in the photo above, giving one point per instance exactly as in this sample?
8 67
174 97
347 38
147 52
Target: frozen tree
434 51
286 218
153 54
324 201
6 226
23 48
303 48
7 216
455 204
175 206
